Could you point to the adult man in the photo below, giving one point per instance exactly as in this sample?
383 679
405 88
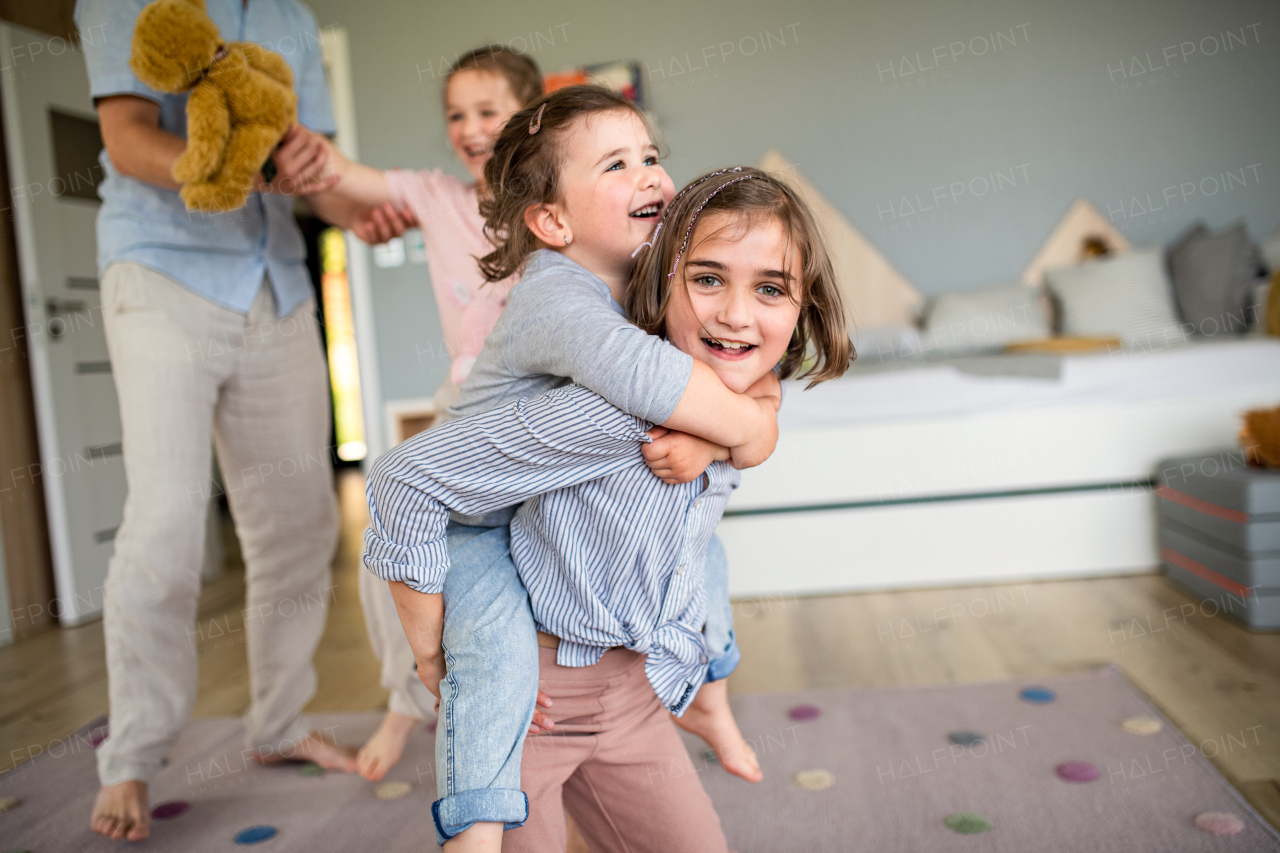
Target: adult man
209 322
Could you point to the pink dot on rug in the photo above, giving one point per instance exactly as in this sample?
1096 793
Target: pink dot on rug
431 726
805 712
1219 823
171 809
97 737
1077 771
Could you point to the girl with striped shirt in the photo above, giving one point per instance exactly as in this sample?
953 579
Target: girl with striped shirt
613 558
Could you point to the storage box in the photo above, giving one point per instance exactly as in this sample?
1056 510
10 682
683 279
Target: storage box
1220 534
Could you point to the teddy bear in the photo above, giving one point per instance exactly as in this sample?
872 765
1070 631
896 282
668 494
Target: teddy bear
241 100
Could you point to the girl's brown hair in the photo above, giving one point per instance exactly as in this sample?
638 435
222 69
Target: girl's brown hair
525 166
520 72
751 196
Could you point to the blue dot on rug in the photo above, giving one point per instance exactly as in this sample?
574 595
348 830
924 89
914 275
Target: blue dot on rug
805 712
254 834
967 823
966 738
1037 695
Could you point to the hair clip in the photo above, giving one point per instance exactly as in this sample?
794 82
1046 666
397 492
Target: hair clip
536 124
652 239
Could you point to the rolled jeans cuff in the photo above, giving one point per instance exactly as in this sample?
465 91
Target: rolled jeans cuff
721 666
457 812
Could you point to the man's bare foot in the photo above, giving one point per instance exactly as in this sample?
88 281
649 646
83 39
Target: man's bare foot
121 811
381 752
314 747
709 717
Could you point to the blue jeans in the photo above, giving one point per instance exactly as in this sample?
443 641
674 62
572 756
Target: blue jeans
491 655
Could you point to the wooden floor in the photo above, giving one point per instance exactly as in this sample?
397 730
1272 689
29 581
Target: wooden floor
1219 683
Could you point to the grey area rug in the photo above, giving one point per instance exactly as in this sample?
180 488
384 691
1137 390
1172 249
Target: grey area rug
895 776
871 769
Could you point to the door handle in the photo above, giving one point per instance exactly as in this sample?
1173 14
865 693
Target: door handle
54 307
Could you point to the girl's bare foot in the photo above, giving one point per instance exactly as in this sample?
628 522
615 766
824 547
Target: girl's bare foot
381 752
710 718
314 747
121 811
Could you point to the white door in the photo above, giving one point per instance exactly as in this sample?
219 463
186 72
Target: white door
51 133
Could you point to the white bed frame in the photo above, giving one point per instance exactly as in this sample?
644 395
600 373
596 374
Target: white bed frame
953 500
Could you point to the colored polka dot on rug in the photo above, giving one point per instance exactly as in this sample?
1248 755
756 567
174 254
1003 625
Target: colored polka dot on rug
9 803
392 790
1220 823
97 737
815 780
1076 771
967 823
311 769
805 712
431 726
966 738
709 755
254 834
170 810
1037 695
1142 725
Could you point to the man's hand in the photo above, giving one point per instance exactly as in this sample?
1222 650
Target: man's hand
303 164
677 457
383 223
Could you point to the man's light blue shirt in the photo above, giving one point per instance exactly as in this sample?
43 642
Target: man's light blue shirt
222 256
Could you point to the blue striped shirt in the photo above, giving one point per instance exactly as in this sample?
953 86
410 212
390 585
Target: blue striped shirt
610 554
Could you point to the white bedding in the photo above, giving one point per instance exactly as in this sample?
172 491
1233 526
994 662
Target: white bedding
934 390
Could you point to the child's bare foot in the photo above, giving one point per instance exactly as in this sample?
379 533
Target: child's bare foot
314 747
121 811
710 718
381 751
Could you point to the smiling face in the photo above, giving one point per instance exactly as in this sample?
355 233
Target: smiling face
612 190
733 312
477 105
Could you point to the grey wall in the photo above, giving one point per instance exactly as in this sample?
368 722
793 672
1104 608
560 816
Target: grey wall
1148 108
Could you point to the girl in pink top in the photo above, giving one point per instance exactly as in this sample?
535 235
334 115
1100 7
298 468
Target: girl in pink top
448 212
483 88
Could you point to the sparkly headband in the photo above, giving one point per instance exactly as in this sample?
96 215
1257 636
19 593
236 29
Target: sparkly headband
535 124
696 213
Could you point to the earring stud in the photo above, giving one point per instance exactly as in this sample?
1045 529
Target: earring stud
566 238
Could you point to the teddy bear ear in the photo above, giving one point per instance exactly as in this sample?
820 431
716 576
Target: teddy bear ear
174 41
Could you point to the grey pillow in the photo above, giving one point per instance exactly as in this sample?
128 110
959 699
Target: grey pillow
1127 296
1213 279
984 319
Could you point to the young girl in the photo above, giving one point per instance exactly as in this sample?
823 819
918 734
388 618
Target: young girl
482 89
482 86
578 172
612 557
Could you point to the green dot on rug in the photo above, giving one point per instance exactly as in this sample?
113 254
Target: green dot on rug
967 823
311 770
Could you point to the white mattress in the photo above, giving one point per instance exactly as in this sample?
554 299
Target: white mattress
937 390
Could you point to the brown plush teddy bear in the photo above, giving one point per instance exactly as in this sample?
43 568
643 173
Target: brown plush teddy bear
241 100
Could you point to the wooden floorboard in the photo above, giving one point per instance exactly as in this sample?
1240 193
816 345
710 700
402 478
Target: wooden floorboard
1218 682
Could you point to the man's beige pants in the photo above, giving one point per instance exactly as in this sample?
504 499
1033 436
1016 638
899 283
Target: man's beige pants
189 373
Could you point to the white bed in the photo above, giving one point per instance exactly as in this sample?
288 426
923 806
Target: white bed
929 476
